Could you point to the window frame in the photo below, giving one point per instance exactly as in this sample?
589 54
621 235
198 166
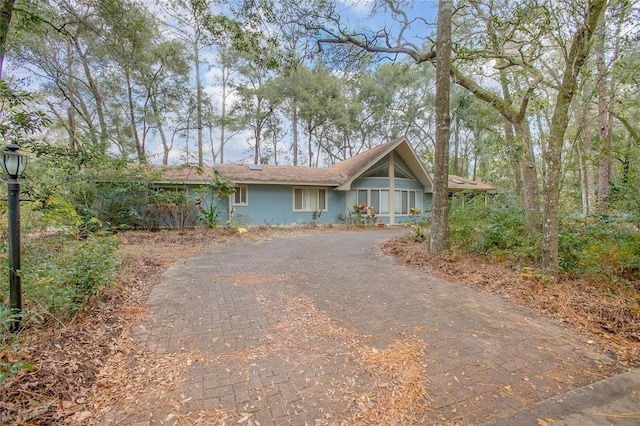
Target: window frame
404 196
239 189
383 200
311 209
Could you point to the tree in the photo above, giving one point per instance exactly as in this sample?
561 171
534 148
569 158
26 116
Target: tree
164 78
439 242
187 18
576 57
6 13
319 98
128 36
256 92
514 41
227 90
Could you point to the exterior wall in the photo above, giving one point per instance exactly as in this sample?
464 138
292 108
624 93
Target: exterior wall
427 202
408 184
273 205
370 183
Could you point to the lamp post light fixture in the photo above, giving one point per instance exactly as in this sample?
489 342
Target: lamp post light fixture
13 163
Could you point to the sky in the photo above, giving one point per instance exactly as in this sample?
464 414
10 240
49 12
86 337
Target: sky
358 15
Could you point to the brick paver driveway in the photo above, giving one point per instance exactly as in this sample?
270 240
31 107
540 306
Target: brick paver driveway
282 328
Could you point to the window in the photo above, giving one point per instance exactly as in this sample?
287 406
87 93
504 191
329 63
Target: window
380 201
380 172
240 197
309 199
401 174
407 200
376 198
362 198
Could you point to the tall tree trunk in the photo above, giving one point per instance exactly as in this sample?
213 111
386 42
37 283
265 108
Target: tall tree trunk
604 120
256 159
528 175
257 133
439 242
6 12
584 149
142 156
226 77
634 138
166 147
93 87
522 148
71 128
310 144
517 137
196 53
223 116
294 125
71 111
580 47
456 144
587 177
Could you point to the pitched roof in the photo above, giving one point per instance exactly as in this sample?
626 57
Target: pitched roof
339 175
355 166
243 173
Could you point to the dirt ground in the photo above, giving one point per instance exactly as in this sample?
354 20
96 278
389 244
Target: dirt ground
87 367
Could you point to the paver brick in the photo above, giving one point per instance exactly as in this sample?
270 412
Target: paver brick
230 303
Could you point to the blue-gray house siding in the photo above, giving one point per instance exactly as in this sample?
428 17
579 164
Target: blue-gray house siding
390 178
274 205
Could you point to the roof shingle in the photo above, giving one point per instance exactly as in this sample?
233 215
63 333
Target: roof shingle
335 175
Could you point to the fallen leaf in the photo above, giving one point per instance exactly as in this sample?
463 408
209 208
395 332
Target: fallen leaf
246 417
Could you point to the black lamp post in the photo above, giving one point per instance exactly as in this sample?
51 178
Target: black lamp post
13 163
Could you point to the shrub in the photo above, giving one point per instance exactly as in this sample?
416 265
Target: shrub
492 227
359 215
600 245
593 245
60 275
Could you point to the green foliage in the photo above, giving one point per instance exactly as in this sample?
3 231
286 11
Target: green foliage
7 317
419 225
419 233
360 215
118 203
607 246
18 123
57 212
222 187
61 274
168 208
316 217
10 368
218 190
496 227
600 245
